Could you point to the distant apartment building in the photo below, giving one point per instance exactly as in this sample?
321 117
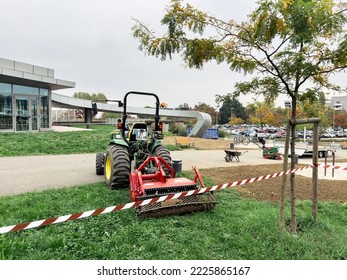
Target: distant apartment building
339 102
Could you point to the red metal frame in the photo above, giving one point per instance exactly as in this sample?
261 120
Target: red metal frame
139 182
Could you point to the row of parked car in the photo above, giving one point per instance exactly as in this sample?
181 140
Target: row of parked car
272 132
335 134
268 133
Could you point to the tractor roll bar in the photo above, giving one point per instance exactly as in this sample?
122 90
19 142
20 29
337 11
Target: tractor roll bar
124 105
156 118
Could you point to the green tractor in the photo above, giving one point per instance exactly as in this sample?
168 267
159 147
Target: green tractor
129 147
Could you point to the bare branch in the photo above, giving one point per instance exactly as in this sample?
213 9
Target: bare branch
280 45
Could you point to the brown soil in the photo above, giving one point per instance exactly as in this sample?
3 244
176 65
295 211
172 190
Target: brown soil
267 190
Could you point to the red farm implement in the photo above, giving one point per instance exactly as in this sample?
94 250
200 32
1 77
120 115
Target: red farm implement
150 180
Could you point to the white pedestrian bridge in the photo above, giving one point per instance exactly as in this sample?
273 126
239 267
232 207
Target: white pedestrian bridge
203 119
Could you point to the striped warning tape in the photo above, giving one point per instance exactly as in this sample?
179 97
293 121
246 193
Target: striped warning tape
76 216
335 167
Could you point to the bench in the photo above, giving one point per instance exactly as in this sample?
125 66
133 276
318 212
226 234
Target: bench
344 145
184 141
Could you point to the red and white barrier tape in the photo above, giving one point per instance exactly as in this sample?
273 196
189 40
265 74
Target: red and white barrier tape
76 216
328 166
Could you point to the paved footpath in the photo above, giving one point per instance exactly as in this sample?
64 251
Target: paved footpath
36 173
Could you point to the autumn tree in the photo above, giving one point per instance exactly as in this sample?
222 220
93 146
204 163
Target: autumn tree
315 108
291 47
236 121
281 115
341 119
263 115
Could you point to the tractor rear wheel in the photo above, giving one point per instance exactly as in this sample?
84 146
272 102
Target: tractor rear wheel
99 163
117 167
163 152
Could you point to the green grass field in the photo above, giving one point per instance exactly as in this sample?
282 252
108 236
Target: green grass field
46 143
236 229
55 143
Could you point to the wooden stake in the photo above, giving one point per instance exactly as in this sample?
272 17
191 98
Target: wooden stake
315 173
284 178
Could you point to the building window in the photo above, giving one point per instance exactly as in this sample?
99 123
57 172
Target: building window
5 88
25 90
22 114
24 108
6 121
44 108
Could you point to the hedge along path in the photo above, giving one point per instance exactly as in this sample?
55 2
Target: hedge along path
120 207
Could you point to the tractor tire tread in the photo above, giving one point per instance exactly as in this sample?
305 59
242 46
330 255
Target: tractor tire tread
120 167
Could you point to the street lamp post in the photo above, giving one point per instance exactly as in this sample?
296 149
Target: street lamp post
231 114
333 118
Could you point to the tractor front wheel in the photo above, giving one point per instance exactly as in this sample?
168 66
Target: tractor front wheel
117 167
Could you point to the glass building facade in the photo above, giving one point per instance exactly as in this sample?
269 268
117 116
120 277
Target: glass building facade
24 108
26 96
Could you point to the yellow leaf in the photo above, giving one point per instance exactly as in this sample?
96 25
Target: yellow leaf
280 25
285 3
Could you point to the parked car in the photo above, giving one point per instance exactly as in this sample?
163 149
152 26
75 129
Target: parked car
328 135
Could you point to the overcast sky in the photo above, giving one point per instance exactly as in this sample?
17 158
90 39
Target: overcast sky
90 43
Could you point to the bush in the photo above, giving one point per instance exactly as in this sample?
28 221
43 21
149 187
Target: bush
178 129
222 133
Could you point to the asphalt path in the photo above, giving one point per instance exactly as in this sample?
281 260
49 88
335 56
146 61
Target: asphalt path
36 173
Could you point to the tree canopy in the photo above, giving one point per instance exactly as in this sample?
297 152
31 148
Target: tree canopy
293 46
231 108
94 96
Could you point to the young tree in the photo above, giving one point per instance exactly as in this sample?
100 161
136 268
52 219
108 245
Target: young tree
293 47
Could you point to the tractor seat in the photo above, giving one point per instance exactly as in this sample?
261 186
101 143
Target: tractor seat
138 132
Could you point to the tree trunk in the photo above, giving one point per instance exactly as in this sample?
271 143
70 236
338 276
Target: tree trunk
293 224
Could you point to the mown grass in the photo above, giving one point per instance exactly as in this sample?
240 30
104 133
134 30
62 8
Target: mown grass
55 143
47 143
236 229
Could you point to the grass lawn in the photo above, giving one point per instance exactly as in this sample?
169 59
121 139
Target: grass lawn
55 143
236 229
46 143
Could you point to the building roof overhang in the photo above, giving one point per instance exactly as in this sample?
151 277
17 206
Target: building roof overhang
24 74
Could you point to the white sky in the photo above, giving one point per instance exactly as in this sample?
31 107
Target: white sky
90 42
